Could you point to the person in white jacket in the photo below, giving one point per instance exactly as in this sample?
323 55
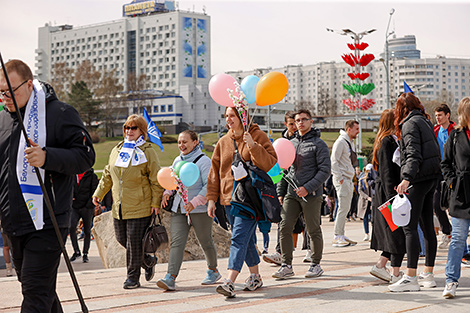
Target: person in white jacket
343 160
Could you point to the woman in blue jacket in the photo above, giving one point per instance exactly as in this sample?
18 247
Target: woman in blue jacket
192 214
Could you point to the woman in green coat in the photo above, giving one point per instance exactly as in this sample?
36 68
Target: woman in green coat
131 175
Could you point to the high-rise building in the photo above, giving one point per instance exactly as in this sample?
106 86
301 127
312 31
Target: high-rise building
404 47
169 46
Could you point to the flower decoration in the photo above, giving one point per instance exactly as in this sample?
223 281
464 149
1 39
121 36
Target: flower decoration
182 190
240 103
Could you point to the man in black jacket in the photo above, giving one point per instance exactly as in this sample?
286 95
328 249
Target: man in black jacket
83 207
67 150
310 170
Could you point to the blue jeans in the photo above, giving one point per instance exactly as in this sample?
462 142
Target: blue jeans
243 247
229 216
456 248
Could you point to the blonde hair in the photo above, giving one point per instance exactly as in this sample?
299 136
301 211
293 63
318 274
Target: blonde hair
464 112
139 121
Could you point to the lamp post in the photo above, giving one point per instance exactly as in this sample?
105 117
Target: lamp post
387 60
357 39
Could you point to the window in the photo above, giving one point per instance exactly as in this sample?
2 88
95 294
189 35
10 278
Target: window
162 108
155 108
170 108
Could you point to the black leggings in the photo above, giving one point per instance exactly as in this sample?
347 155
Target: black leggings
421 198
446 227
395 259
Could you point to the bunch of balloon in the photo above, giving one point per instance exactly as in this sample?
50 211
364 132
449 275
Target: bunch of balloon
268 90
181 176
275 173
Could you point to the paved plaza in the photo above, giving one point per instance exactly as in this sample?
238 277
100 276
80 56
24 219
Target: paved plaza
346 286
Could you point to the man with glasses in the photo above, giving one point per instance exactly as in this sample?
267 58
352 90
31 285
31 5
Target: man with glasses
60 148
309 171
343 159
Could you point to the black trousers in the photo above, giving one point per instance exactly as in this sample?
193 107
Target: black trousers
36 257
129 233
446 227
87 217
421 197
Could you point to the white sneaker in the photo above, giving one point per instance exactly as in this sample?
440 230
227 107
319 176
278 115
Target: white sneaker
340 242
380 273
308 257
351 242
426 280
394 278
366 238
406 283
284 272
274 258
314 271
445 241
449 290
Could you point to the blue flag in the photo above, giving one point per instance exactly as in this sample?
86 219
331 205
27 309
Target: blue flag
152 131
407 88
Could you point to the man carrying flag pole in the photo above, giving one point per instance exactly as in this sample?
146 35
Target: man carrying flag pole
153 132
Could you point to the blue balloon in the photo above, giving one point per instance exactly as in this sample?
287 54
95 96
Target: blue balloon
248 86
275 170
189 174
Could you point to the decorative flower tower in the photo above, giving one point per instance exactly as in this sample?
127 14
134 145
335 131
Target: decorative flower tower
358 88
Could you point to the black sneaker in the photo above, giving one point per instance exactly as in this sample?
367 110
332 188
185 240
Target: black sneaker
149 273
85 258
75 255
130 284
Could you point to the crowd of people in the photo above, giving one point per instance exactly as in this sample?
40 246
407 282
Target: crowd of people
411 158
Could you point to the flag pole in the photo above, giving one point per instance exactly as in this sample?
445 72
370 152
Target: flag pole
46 196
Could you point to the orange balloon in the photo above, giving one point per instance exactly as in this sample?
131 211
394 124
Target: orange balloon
165 179
271 89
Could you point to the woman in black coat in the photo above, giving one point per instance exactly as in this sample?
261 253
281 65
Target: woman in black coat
456 169
388 177
420 168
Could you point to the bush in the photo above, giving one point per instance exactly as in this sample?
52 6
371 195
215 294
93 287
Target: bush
95 138
367 152
168 139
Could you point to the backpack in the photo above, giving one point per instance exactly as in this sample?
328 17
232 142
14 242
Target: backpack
254 194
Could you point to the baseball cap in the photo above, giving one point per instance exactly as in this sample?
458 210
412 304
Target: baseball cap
401 210
368 167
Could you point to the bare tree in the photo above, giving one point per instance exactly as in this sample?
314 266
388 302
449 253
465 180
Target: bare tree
136 85
444 96
326 104
87 73
111 103
61 79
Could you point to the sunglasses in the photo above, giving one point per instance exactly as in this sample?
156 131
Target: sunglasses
130 127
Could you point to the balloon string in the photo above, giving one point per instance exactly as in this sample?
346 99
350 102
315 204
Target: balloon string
293 185
251 118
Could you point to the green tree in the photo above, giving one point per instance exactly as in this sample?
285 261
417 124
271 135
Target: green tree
81 98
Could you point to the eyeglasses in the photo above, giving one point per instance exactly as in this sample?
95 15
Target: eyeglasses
303 120
6 94
130 127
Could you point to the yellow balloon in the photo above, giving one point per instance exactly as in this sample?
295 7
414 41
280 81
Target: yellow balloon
271 89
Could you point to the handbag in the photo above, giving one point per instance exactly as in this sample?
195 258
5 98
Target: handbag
445 195
155 237
169 203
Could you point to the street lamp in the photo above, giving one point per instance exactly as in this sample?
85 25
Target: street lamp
357 40
387 60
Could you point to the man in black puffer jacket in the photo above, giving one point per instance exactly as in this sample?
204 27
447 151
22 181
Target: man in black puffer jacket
67 151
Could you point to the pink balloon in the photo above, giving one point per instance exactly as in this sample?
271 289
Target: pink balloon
218 86
285 152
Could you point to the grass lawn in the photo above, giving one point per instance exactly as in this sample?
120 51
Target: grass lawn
166 157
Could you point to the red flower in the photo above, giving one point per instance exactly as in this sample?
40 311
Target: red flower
351 46
363 76
366 58
361 46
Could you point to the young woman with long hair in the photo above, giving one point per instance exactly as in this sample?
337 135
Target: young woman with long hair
392 244
420 168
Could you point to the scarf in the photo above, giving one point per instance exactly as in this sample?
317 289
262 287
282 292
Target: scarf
35 124
130 151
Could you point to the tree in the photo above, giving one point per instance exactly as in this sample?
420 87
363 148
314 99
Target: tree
108 92
326 105
87 73
81 98
61 79
135 87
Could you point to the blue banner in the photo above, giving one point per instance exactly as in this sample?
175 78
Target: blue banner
152 131
407 88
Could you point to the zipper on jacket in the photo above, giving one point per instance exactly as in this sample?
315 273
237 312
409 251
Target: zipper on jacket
120 194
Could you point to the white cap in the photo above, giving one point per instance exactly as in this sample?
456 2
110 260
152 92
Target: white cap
401 210
368 167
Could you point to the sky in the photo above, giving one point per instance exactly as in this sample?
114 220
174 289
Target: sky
260 34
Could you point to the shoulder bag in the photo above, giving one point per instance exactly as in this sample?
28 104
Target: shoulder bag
155 237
